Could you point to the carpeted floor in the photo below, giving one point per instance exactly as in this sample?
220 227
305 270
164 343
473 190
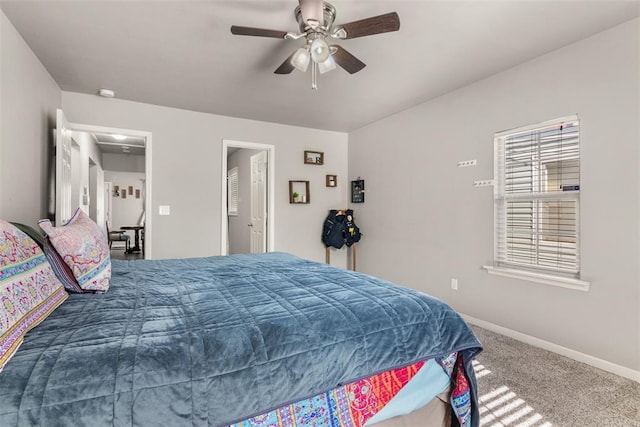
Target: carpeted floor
521 385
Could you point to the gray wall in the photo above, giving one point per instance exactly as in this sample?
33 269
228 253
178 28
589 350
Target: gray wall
123 162
186 173
443 226
28 101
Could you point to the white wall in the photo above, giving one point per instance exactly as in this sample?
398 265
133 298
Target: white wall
442 227
239 232
127 211
28 101
186 172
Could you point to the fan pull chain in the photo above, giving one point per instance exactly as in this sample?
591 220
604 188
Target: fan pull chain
314 75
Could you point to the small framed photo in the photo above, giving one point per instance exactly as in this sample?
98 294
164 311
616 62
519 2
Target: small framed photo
332 181
123 193
137 194
314 158
131 190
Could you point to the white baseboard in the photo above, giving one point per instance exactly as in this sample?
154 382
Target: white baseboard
567 352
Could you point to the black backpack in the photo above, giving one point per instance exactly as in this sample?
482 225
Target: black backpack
339 228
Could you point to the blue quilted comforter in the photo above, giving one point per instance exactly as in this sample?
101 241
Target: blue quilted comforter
211 341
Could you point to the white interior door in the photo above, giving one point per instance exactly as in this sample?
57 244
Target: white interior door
259 202
63 169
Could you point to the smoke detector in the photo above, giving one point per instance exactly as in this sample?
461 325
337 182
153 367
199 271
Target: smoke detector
107 93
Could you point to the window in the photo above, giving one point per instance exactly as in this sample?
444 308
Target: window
537 195
232 192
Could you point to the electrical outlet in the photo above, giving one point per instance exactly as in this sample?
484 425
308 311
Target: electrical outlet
465 163
454 284
484 183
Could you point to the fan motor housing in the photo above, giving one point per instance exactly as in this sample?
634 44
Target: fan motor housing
329 13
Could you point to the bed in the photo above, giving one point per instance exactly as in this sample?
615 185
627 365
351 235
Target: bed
243 340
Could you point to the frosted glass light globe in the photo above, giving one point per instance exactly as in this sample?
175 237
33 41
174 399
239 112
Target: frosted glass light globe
319 50
300 59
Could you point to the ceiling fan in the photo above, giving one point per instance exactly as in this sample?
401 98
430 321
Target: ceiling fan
315 19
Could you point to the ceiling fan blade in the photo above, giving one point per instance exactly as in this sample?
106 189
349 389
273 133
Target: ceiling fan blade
369 26
259 32
286 67
312 12
346 60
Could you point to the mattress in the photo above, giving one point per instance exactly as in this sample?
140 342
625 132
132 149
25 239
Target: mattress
219 340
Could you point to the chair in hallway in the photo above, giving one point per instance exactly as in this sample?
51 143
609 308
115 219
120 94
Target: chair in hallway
118 236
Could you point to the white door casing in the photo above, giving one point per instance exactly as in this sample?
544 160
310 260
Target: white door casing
270 193
63 169
108 190
63 191
259 202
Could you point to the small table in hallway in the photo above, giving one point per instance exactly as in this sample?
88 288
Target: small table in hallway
135 249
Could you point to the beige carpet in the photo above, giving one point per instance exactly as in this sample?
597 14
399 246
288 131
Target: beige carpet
521 385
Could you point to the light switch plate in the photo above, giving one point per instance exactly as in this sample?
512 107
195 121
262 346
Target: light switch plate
164 210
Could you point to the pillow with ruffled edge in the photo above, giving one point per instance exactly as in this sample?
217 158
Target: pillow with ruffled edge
29 291
84 248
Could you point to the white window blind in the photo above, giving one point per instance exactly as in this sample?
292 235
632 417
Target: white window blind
232 192
537 197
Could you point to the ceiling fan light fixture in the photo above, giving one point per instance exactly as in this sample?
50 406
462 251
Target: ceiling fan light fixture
327 65
319 50
301 59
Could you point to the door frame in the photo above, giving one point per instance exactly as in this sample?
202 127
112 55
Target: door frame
224 223
148 235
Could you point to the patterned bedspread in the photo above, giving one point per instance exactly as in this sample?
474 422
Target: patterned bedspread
356 403
216 341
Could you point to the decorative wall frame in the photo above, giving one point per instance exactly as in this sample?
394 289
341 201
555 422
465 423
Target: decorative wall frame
313 157
332 181
299 192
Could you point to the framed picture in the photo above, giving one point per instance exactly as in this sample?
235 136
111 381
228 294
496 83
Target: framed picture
357 191
314 158
123 193
332 180
137 194
131 190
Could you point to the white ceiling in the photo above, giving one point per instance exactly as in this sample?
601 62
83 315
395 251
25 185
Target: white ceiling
181 53
108 143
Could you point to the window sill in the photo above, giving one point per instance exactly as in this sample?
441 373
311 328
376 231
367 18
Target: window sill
563 282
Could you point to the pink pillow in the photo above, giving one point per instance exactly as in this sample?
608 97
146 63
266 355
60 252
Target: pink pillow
84 248
29 291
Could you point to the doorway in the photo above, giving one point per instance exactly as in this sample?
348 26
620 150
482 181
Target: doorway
96 196
247 209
